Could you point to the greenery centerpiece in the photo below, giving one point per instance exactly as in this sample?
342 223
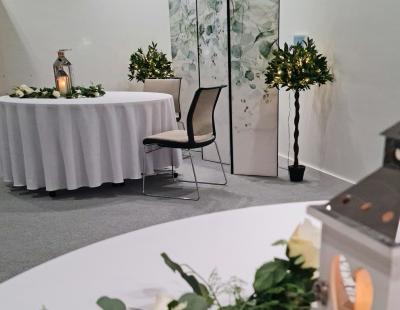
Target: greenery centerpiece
296 68
281 284
24 91
153 64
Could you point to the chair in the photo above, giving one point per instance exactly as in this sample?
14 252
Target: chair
170 86
200 133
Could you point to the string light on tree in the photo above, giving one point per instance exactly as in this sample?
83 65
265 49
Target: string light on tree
305 67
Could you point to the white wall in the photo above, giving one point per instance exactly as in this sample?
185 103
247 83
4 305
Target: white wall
341 123
101 33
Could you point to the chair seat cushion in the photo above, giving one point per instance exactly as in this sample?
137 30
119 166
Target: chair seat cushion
177 138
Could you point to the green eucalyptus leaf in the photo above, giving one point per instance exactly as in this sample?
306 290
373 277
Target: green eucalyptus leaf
107 303
236 51
174 6
249 75
235 65
237 26
201 29
215 5
265 48
174 51
259 36
210 29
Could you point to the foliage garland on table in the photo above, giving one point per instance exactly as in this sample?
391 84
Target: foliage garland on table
152 65
25 91
281 284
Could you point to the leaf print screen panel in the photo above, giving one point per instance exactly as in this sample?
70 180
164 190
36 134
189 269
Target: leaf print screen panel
183 27
213 53
254 34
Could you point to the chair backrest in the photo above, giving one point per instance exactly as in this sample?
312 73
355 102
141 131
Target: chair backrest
170 86
200 119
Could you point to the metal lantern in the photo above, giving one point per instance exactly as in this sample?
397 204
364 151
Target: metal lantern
63 73
360 252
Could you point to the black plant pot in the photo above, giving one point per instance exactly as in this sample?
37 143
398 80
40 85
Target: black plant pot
296 173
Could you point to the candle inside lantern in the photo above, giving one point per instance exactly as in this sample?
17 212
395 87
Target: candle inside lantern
62 84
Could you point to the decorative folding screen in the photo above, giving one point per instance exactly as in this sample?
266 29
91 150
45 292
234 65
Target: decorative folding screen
230 42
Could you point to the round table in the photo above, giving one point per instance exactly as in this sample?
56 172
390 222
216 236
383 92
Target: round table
71 143
130 267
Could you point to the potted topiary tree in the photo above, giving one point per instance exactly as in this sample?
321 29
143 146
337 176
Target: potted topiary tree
153 64
296 68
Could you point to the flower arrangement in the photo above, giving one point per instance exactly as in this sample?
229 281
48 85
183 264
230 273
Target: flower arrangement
152 65
278 285
24 91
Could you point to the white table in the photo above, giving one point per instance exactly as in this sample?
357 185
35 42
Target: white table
129 266
71 143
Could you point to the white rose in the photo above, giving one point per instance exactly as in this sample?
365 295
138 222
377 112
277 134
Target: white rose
96 94
56 94
19 93
162 301
305 242
37 90
78 91
26 89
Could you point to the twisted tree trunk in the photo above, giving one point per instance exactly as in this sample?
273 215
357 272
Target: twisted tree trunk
296 128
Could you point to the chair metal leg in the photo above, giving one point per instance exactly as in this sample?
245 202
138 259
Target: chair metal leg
144 168
222 168
164 196
220 161
173 175
172 165
194 174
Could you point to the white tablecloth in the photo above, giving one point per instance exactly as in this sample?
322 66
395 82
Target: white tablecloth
71 143
130 267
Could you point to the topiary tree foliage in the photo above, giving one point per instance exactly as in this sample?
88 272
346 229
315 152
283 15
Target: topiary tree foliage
297 68
153 64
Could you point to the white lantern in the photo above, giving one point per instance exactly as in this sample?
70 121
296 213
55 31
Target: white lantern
360 251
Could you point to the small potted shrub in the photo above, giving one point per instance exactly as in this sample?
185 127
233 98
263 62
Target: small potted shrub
296 68
153 64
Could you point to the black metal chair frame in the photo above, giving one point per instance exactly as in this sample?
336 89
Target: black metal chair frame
191 144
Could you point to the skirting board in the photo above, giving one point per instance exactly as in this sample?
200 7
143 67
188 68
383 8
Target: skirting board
283 163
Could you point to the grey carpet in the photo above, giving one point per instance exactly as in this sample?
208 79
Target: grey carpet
35 228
